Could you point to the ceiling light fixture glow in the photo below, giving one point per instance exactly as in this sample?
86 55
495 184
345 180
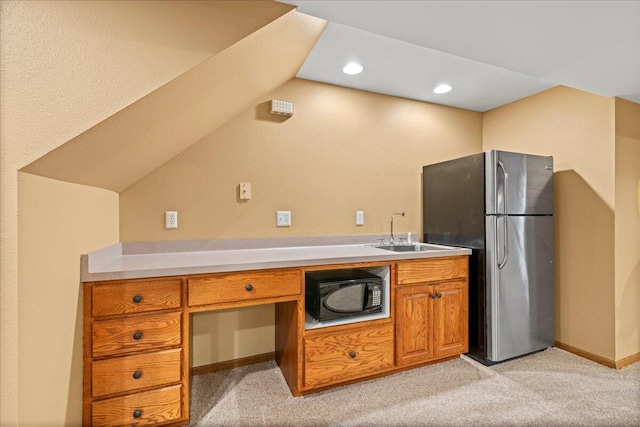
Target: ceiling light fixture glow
352 68
444 88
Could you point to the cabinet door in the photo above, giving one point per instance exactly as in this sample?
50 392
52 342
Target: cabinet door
450 319
414 324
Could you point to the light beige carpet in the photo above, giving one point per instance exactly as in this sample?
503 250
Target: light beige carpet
549 388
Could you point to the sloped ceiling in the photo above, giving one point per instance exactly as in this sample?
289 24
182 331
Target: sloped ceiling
128 145
69 65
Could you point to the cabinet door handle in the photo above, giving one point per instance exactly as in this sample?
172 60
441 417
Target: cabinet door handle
353 354
137 336
137 413
137 375
137 299
249 287
439 295
432 296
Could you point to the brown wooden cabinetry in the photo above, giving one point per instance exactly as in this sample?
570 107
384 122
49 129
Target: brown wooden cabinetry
238 288
155 407
136 334
414 324
450 319
135 363
431 310
136 339
332 357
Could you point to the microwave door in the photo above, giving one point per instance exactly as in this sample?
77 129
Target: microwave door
346 299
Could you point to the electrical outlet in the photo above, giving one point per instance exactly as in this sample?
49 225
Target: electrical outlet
283 218
359 217
171 219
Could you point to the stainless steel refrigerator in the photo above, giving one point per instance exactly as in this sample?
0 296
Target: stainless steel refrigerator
499 204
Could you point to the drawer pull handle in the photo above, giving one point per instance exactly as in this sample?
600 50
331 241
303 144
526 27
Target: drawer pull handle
137 299
137 413
249 287
137 375
439 295
137 336
353 354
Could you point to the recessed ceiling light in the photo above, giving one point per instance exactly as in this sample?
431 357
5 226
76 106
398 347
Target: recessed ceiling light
352 68
444 88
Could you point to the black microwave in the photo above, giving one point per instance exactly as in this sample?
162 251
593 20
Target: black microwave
333 294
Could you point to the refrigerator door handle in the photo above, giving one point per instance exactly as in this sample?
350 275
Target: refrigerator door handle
505 188
505 245
505 191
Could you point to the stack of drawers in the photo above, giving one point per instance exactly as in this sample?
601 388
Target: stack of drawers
134 353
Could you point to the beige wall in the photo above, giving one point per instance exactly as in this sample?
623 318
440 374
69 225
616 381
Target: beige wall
343 150
577 129
67 65
627 229
58 222
232 334
136 140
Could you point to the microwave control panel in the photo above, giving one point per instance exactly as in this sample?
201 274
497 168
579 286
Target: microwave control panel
377 295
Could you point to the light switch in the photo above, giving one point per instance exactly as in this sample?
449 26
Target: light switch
359 217
245 191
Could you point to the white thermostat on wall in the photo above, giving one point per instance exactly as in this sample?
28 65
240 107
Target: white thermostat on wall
284 108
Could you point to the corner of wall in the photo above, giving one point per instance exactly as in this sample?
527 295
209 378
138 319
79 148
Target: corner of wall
627 229
58 222
577 129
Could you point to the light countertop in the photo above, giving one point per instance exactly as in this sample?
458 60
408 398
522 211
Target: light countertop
140 260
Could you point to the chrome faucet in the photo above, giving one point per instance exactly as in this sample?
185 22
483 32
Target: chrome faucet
391 237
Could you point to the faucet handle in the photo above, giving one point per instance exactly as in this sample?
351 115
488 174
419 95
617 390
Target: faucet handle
402 240
381 242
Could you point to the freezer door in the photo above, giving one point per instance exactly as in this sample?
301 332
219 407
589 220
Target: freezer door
518 184
519 295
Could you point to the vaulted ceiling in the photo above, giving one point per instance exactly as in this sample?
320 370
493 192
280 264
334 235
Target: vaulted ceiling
129 144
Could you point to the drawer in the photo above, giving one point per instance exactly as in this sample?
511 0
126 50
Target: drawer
139 409
243 287
135 333
330 358
135 297
433 269
130 373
